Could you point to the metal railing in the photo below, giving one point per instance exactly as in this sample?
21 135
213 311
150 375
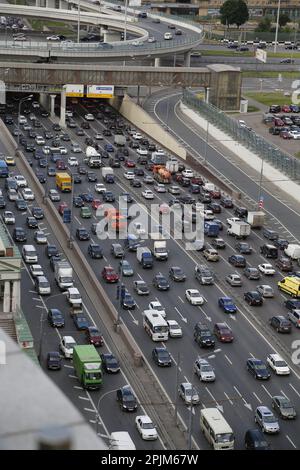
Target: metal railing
284 162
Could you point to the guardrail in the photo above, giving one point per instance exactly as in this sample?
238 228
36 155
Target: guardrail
284 162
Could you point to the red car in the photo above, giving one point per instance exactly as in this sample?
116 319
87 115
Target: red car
223 332
197 180
62 206
94 336
285 108
278 122
60 165
109 274
96 204
129 163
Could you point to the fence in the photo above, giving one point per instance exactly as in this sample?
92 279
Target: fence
284 162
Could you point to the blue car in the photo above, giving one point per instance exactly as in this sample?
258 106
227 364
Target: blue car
294 108
108 148
81 322
87 197
227 305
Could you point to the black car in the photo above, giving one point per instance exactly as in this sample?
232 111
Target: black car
269 251
78 201
205 198
56 127
53 360
160 282
92 177
77 178
108 196
274 109
41 177
292 304
2 202
19 234
281 243
281 324
243 248
203 336
80 132
127 301
56 318
241 212
253 298
177 274
238 261
255 440
51 250
161 357
110 363
21 204
31 222
186 199
126 398
53 260
37 212
258 368
135 183
95 251
82 234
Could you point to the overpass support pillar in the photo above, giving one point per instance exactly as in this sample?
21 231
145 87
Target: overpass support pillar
187 59
157 62
50 3
52 106
62 121
44 100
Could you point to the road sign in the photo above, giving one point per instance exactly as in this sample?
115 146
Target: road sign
67 216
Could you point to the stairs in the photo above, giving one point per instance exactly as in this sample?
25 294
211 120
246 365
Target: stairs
7 324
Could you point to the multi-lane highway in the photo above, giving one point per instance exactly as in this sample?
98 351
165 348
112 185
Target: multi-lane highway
235 391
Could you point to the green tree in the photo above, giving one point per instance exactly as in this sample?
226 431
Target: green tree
283 19
234 12
264 25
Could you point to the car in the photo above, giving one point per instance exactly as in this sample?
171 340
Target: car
194 297
161 357
129 175
148 179
9 218
80 321
286 60
244 248
40 238
21 181
78 201
211 254
127 301
100 188
284 264
234 280
56 318
95 251
117 250
218 243
126 398
31 222
278 364
19 234
168 36
266 269
110 363
292 304
12 194
281 243
175 331
109 274
156 305
177 274
2 202
281 324
146 428
36 270
85 212
51 171
203 336
284 407
189 393
10 161
53 360
255 440
51 250
227 304
223 332
66 346
204 370
258 368
253 298
54 195
62 206
126 197
231 220
37 212
252 273
270 234
174 190
125 268
240 212
160 282
82 234
141 287
265 290
148 194
138 229
42 285
53 37
266 420
73 161
41 177
238 261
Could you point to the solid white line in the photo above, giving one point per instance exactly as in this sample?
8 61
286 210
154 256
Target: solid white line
73 376
93 421
226 357
284 394
209 392
181 299
37 298
77 387
40 306
289 439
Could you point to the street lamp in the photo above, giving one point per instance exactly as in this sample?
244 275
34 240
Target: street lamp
98 414
22 100
277 26
70 240
78 22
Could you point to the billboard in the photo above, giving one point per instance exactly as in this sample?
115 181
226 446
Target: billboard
100 91
261 55
75 90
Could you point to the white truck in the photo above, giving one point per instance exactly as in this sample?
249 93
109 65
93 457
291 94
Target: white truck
108 174
293 251
159 157
121 440
120 140
93 157
256 219
239 229
63 274
172 166
160 251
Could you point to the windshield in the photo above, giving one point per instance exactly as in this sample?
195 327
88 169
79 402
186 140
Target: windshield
75 296
260 366
226 437
205 333
280 364
163 355
269 419
147 426
67 279
44 284
160 329
194 294
93 375
206 368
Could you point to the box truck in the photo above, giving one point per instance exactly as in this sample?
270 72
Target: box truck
256 219
144 256
239 229
293 251
87 365
160 251
63 274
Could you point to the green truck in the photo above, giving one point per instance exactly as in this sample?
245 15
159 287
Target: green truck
87 365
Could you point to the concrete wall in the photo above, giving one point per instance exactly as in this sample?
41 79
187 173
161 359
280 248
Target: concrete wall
147 125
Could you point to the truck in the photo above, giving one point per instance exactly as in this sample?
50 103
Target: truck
108 174
158 158
161 174
121 440
87 365
63 273
63 182
120 140
256 219
293 251
211 229
239 229
93 157
144 257
172 166
160 251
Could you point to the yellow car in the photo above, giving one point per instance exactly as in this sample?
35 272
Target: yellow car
10 161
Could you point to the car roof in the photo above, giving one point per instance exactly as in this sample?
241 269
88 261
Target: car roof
276 357
68 339
264 410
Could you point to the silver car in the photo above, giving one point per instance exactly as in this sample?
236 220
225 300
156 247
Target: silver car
189 393
266 420
204 370
265 290
234 280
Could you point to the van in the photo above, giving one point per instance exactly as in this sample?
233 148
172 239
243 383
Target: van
269 251
216 429
290 285
255 440
294 317
29 254
121 440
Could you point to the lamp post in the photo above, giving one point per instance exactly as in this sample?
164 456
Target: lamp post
277 26
78 22
22 100
98 414
70 240
125 23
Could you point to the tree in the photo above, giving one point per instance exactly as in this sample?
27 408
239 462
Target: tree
264 25
283 19
234 12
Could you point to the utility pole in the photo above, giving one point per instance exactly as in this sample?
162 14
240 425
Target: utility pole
277 26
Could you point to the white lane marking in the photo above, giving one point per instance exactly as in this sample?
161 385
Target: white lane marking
90 409
296 391
267 391
230 401
68 367
73 376
83 398
226 357
41 306
258 399
237 391
181 316
78 387
93 421
284 394
290 440
204 313
181 299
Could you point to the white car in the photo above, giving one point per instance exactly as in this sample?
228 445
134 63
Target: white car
168 36
28 195
63 150
129 175
72 161
36 270
21 181
204 370
278 365
46 150
40 140
74 296
9 218
138 228
35 104
148 194
54 195
231 220
137 136
187 173
142 151
20 38
156 305
294 135
160 188
146 428
98 136
194 297
100 188
66 346
175 330
22 120
265 290
76 148
174 190
266 269
242 123
53 38
207 214
89 117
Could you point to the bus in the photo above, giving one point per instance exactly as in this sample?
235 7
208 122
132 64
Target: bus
216 429
155 325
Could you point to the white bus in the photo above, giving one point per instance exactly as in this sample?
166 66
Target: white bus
155 325
216 429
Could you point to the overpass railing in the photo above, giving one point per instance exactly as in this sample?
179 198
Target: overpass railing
284 162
